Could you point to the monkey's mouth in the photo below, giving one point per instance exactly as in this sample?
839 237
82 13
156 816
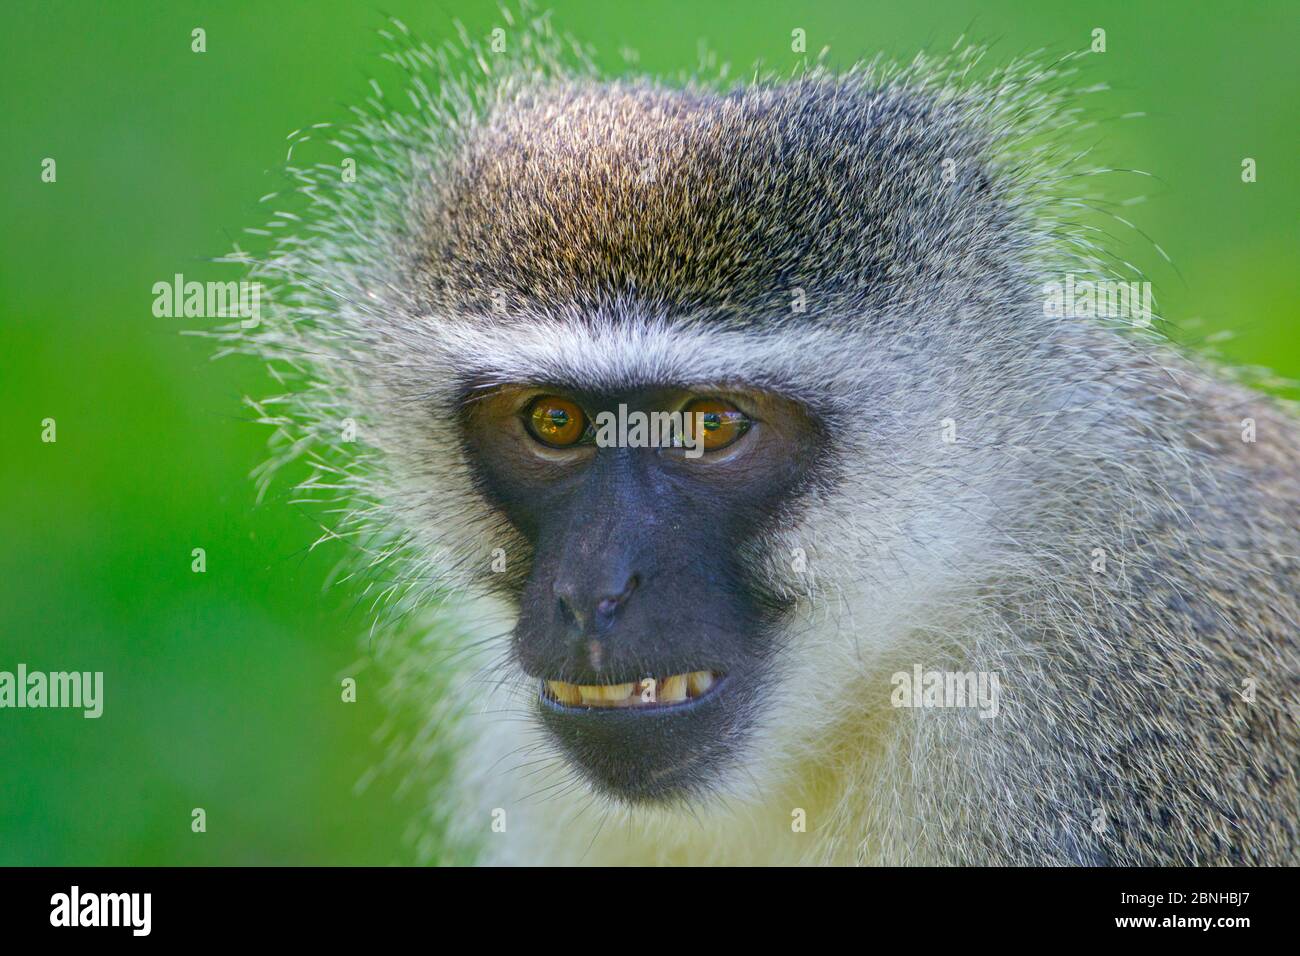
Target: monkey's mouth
644 742
650 693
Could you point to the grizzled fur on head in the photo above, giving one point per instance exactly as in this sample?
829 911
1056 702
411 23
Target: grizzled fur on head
715 205
529 223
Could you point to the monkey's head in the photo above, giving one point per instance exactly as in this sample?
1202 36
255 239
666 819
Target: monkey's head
670 372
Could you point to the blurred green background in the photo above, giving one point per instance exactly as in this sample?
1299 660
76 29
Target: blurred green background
222 689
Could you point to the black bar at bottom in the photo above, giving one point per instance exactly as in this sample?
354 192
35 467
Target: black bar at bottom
338 905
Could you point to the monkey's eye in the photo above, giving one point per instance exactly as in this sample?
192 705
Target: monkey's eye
555 421
723 423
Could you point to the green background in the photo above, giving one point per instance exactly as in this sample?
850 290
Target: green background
222 689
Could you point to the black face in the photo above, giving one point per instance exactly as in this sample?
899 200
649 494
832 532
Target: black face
648 635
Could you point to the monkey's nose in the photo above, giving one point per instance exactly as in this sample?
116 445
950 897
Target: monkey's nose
599 606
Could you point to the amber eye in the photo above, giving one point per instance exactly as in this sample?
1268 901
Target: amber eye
555 421
722 422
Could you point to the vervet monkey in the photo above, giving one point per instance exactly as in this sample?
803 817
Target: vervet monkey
912 464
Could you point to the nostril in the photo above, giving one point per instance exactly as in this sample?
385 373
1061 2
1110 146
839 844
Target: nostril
608 605
565 612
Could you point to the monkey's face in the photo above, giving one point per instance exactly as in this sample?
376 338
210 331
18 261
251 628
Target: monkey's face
648 633
676 639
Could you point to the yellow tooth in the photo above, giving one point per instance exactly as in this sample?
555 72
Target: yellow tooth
564 693
673 689
598 695
699 682
617 693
